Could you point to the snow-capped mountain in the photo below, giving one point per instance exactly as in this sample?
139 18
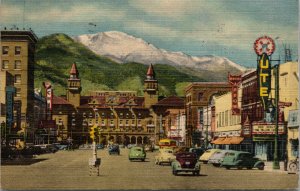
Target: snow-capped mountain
124 48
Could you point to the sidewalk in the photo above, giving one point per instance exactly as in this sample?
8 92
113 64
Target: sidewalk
269 167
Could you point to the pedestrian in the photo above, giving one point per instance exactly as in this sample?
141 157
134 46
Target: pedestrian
285 161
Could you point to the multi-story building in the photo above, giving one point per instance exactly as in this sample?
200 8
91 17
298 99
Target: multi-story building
171 119
289 101
17 58
121 116
199 96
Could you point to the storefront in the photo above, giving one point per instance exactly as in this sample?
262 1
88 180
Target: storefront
263 137
293 135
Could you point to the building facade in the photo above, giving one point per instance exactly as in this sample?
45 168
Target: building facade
198 96
17 58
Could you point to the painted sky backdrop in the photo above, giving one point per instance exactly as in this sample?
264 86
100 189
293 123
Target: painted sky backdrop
195 27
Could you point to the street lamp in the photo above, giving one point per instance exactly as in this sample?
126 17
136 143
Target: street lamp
73 124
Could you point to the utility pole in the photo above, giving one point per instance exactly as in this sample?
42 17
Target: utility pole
276 161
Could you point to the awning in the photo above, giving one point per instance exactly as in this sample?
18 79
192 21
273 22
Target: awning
228 141
218 141
236 140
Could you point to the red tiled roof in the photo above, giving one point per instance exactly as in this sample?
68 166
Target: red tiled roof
60 101
171 101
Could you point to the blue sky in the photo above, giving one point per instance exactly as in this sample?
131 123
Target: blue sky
197 27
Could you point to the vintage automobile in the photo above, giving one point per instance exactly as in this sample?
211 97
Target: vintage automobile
217 158
240 160
114 149
186 162
198 150
207 154
137 153
149 148
165 156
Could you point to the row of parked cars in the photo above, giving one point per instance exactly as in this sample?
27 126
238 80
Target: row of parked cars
231 159
188 160
29 151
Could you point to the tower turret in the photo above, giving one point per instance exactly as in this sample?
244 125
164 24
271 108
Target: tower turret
150 88
74 87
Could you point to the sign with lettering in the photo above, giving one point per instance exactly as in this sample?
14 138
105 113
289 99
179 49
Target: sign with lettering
264 79
234 81
10 91
267 129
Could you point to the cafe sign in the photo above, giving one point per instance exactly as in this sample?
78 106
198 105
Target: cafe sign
266 129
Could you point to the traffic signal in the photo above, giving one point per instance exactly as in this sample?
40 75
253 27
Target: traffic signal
92 133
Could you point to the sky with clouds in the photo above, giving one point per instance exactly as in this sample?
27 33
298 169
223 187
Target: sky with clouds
196 27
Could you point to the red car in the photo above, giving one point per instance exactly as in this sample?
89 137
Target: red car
186 162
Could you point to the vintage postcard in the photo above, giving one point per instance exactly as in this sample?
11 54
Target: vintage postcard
149 95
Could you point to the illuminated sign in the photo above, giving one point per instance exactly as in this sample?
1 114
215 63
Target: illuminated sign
267 129
234 82
264 79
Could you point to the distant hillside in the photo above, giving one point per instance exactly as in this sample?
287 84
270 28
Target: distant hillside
56 53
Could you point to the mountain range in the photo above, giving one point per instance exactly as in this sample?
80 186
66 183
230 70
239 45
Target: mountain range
124 48
117 61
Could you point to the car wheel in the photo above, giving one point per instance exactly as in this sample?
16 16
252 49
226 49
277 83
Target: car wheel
261 167
227 167
249 168
143 160
216 165
196 173
204 162
239 167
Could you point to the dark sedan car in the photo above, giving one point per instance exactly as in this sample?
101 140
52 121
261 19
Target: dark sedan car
186 162
114 149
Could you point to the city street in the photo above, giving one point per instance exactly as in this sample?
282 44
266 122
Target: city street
69 170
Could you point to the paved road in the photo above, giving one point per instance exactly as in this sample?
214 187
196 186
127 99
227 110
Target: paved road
69 170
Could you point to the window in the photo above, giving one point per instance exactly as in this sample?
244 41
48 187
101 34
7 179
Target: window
5 64
200 95
18 78
18 92
17 64
5 50
17 50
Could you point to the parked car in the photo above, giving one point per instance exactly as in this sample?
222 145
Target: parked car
207 154
137 153
240 160
198 151
165 156
149 148
100 146
217 158
114 149
186 162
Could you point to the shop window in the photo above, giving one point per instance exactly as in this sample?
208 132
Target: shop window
5 64
17 64
5 50
17 50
